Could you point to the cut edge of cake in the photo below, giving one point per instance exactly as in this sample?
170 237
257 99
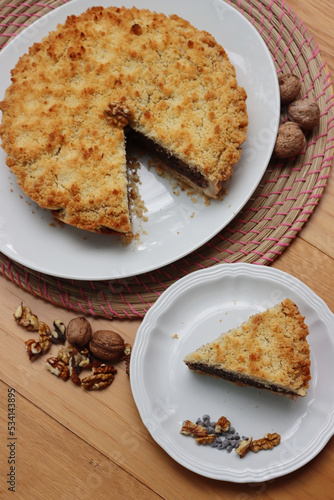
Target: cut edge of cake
268 351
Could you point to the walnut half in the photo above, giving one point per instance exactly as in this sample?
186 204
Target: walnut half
195 430
118 115
44 339
206 439
57 367
244 447
102 377
266 443
58 334
24 317
222 425
33 349
36 348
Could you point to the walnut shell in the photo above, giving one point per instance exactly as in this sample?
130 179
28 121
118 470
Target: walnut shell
107 345
290 140
304 112
79 331
289 86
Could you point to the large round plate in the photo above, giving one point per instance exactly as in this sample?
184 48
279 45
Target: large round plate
176 225
196 310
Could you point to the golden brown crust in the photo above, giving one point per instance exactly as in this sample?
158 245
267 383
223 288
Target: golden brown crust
270 348
63 115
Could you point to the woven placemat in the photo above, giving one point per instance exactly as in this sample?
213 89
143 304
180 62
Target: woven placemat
283 202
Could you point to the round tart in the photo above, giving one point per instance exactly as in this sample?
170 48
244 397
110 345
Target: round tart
103 78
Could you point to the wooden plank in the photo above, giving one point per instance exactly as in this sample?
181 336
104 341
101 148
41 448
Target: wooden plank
108 421
311 266
319 230
318 18
51 462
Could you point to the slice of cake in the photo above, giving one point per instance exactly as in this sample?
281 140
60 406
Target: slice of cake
269 351
76 96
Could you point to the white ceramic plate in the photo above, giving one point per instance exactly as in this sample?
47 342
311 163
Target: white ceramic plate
197 309
176 225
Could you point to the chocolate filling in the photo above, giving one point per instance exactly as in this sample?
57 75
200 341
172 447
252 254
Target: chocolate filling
179 166
238 378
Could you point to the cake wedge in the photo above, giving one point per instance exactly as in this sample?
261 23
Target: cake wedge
268 351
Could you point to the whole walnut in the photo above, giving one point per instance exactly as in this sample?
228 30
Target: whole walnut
79 331
304 112
290 140
107 345
289 86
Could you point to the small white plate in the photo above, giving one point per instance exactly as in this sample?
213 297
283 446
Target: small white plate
176 225
197 309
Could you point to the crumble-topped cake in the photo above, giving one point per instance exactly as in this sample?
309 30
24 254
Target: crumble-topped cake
269 351
78 94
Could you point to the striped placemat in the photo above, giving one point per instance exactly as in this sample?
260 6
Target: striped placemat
283 202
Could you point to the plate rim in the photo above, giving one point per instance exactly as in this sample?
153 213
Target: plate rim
119 272
320 438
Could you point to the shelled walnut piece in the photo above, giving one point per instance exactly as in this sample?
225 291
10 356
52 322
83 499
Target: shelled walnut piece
206 439
222 425
44 333
57 367
101 377
58 334
28 320
244 447
268 442
42 346
195 430
65 353
77 362
33 349
24 317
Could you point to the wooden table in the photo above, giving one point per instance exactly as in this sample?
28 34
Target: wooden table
75 444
